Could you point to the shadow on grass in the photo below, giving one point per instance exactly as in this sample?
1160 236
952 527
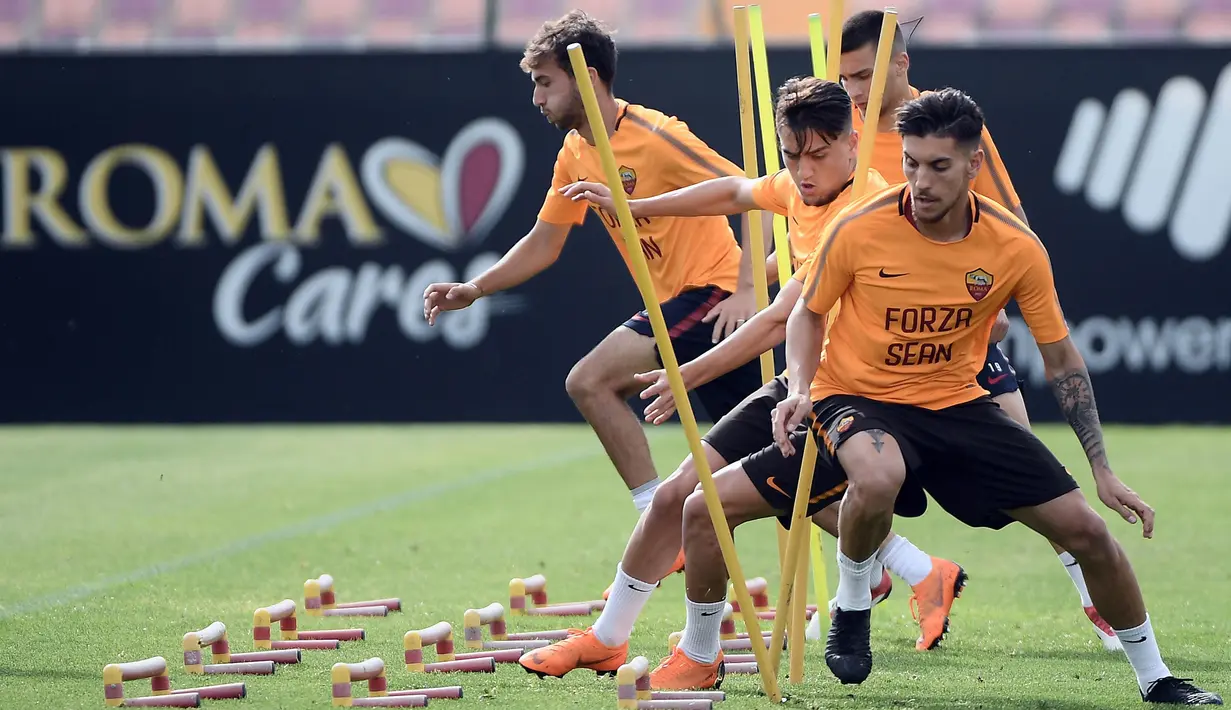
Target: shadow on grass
56 673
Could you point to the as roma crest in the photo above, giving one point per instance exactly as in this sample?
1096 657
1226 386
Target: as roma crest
628 176
978 283
845 424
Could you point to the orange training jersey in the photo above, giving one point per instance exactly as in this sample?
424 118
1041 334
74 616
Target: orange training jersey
916 314
656 153
778 194
991 181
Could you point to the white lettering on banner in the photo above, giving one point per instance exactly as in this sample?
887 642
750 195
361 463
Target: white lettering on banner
335 306
1192 345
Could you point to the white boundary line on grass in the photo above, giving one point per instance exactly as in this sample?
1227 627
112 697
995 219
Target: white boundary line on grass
311 525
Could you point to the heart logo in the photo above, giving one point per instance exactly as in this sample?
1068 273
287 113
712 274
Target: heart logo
450 203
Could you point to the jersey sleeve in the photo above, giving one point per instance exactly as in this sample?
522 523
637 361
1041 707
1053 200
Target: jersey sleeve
993 180
767 192
558 209
1036 296
828 268
692 161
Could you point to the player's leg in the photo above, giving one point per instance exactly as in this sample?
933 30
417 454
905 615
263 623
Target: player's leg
1000 472
864 438
1000 379
652 550
759 486
882 583
599 385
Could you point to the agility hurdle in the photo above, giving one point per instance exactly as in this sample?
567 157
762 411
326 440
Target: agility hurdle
320 599
214 637
441 635
535 587
284 613
633 691
155 668
344 675
492 616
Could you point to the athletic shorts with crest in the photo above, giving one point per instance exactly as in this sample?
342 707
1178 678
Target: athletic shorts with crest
974 460
691 338
746 435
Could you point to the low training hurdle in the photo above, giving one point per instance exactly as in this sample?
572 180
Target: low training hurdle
214 637
284 613
441 634
492 616
379 696
758 589
155 668
536 588
633 691
320 599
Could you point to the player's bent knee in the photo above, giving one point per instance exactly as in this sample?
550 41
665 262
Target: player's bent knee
1087 537
670 495
875 476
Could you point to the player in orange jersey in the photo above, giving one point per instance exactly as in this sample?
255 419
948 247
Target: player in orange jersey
697 267
813 122
860 34
922 270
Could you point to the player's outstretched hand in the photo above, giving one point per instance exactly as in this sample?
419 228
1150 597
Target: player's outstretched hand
663 406
595 192
441 297
1125 501
786 418
731 312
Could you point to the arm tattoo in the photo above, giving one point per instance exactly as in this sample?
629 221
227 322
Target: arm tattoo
878 438
1076 397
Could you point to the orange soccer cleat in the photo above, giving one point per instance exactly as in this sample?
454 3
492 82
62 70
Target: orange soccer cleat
933 599
580 650
679 672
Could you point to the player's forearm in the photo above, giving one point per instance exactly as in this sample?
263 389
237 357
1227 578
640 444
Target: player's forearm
1074 392
771 267
720 196
803 347
764 331
528 257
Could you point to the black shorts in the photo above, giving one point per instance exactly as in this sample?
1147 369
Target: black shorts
691 339
997 376
973 459
746 435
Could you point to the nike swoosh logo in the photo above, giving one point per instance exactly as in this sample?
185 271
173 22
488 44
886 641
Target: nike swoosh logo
1140 640
714 612
770 482
997 378
643 591
890 276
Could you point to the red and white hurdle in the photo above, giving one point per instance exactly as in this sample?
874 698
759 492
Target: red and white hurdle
320 599
155 668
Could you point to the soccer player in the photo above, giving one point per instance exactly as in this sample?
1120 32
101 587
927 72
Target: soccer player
922 270
697 267
860 35
819 147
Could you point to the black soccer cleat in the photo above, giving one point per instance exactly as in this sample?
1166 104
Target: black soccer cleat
848 650
1178 691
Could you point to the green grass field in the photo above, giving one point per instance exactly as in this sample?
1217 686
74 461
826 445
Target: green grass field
118 541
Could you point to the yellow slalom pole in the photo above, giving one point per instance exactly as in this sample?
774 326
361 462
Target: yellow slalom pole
816 40
871 121
799 521
837 14
749 139
769 136
820 573
782 249
666 351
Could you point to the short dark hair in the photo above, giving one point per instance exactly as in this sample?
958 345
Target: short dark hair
948 113
864 28
806 103
553 38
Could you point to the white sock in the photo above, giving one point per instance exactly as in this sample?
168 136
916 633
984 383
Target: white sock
854 587
701 632
1142 651
875 574
1079 579
643 494
905 560
628 598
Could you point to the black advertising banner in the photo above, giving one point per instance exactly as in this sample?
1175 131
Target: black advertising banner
247 238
